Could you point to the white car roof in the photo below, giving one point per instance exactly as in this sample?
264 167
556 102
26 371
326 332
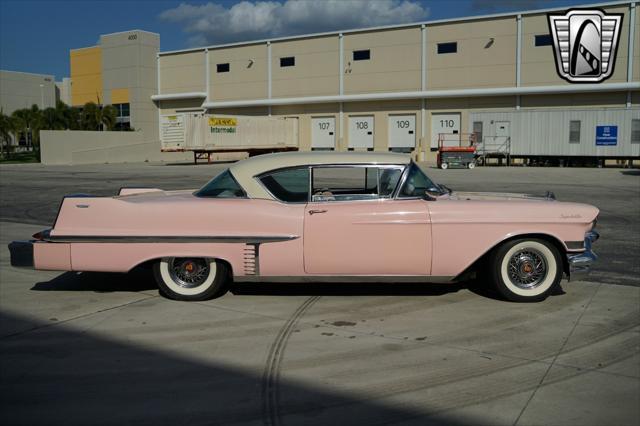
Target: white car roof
244 171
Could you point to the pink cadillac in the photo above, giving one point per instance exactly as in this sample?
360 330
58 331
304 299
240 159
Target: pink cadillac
322 217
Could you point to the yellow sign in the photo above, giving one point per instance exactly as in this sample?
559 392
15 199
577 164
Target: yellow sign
222 121
172 117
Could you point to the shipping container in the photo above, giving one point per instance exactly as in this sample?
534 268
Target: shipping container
598 133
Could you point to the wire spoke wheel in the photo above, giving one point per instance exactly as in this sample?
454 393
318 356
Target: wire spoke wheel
188 272
527 268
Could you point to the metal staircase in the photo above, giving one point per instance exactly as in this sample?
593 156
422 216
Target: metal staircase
494 147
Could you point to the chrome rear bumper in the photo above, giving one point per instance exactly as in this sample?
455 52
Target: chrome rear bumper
580 263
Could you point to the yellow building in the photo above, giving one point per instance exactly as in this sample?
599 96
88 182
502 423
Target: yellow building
119 71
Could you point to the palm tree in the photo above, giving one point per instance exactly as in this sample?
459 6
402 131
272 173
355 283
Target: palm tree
109 117
91 116
35 124
5 131
21 120
74 118
53 119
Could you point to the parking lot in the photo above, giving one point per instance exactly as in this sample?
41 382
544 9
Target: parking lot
90 348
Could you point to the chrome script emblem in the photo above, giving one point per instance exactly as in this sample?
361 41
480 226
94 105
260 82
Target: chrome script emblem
585 43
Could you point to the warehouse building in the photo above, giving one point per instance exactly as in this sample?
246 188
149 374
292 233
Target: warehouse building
410 87
20 90
119 71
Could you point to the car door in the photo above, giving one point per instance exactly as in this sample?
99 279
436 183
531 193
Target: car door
366 232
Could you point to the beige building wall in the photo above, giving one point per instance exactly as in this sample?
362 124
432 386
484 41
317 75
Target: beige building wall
316 70
66 147
129 75
538 63
247 76
182 72
22 90
394 65
486 55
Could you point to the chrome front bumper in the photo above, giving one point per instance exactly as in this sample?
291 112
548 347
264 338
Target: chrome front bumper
580 263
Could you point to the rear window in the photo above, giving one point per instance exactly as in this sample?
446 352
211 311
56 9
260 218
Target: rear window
290 185
222 186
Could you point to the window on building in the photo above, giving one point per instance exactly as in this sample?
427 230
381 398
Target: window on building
222 67
451 47
290 185
289 61
477 130
543 40
574 131
361 55
635 130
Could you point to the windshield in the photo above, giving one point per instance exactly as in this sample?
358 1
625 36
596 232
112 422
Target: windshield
418 183
222 186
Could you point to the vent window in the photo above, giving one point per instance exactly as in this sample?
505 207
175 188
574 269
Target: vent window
451 47
361 55
543 40
289 61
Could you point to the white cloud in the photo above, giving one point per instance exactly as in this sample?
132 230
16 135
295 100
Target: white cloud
212 23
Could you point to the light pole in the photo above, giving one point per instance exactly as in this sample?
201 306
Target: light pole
41 96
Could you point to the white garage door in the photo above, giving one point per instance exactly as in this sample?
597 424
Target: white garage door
402 132
361 132
323 133
449 125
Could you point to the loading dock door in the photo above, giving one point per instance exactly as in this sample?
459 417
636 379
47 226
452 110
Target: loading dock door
361 132
323 133
447 123
402 132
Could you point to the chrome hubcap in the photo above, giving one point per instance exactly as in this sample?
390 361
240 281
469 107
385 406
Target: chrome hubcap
187 272
527 268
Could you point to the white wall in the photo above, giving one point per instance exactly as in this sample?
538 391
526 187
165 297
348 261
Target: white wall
60 147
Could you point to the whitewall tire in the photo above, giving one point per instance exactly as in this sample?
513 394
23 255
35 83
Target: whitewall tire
526 270
471 165
444 166
191 279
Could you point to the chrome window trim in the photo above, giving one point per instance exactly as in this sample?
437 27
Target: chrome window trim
326 165
403 179
359 165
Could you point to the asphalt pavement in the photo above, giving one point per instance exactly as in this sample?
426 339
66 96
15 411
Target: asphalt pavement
98 348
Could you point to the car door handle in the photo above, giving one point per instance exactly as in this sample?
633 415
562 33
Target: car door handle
312 212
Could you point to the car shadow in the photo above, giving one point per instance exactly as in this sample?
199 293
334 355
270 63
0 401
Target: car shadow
139 279
633 172
344 289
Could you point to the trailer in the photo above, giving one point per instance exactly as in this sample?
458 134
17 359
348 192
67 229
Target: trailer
207 134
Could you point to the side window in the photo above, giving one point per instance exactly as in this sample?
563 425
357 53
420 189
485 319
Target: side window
353 183
222 186
290 185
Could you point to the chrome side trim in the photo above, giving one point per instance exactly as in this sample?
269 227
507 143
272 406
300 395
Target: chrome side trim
346 279
580 264
168 239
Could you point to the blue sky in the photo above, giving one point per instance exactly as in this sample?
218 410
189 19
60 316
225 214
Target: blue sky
35 36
